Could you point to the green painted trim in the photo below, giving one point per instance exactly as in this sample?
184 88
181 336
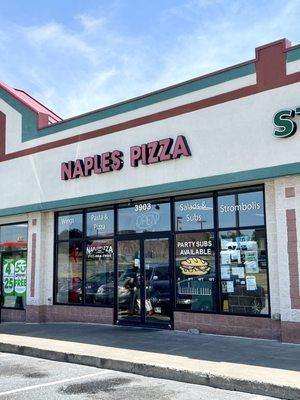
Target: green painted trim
29 117
293 55
29 132
167 189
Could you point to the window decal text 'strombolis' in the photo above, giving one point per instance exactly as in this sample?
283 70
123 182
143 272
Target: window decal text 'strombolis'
145 154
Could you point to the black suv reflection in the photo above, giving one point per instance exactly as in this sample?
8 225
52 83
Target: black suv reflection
157 288
94 282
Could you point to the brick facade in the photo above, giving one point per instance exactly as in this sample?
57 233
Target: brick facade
290 332
293 258
60 313
254 327
10 315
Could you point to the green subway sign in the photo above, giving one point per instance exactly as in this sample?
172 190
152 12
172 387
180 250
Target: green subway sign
285 125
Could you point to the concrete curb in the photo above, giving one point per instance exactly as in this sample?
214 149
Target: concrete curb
154 371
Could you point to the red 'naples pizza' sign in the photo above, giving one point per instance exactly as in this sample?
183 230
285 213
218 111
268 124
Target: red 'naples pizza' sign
145 154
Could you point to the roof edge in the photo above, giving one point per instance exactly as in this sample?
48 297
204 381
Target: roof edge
44 114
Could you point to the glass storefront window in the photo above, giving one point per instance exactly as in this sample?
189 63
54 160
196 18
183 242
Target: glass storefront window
69 226
99 278
241 209
226 211
194 214
69 272
243 272
218 268
13 236
13 262
100 223
252 212
196 284
144 217
78 247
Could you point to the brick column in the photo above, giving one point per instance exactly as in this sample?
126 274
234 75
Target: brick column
292 247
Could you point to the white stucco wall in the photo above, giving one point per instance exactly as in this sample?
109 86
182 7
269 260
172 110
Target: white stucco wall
276 205
230 137
14 142
292 67
44 264
272 243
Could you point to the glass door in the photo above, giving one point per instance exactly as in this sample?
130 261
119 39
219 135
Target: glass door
144 287
157 281
129 281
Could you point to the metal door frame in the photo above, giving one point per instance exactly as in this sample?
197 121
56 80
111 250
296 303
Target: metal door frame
141 237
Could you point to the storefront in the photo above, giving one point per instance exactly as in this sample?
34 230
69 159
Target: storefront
216 242
177 210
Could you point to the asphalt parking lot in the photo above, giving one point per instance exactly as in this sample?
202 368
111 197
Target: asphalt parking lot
34 378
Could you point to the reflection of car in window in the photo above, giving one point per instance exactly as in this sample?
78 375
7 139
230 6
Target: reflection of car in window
156 283
105 291
159 288
94 282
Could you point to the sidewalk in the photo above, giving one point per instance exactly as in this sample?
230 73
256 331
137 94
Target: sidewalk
255 366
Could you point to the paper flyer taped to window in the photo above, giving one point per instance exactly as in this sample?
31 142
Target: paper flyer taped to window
238 271
251 262
225 272
225 243
230 287
235 256
251 282
245 243
225 257
224 287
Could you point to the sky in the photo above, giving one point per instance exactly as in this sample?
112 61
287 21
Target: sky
79 55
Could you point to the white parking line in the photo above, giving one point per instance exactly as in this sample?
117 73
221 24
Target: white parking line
53 383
